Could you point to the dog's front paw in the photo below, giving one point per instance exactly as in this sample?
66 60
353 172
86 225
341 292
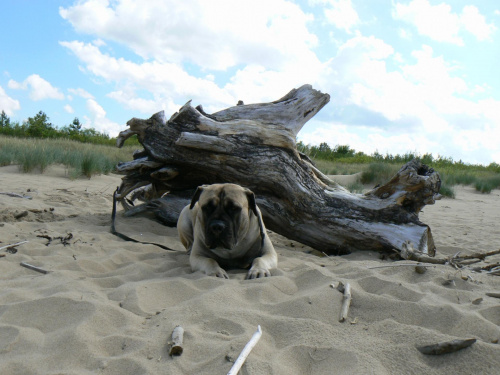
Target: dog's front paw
217 272
256 273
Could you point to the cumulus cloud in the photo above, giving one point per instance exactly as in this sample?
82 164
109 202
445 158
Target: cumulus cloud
81 93
381 99
163 80
98 120
212 34
340 13
7 104
439 23
39 88
69 108
420 106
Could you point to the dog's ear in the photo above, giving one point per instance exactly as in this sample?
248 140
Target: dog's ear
252 205
196 196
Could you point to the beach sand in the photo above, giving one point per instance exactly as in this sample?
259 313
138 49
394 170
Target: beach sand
108 306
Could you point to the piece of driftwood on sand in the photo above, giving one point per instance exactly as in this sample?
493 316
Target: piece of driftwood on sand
446 347
13 245
33 268
346 300
255 146
245 352
458 261
177 339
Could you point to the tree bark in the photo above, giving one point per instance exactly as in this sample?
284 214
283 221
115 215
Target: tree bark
254 146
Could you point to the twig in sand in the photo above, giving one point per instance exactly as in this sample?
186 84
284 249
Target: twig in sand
21 215
346 300
245 352
480 255
409 254
15 195
34 268
13 245
399 265
445 347
494 295
456 260
177 338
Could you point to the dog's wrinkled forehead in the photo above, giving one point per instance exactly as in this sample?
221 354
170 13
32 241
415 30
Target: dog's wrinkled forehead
222 193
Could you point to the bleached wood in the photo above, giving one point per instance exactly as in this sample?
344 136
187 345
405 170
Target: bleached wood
177 341
346 300
245 352
254 146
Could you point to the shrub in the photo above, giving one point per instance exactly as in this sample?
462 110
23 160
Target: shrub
378 173
486 185
447 191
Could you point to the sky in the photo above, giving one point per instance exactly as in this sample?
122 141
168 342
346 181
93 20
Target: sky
404 76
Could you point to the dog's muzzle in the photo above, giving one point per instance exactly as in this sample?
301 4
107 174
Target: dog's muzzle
218 235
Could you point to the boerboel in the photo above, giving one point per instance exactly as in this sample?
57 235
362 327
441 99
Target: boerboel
222 228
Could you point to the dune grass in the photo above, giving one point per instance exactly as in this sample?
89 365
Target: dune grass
87 159
81 159
484 179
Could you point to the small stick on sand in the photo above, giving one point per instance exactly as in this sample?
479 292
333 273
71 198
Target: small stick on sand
177 338
37 269
346 300
494 295
400 265
15 195
245 352
445 347
13 245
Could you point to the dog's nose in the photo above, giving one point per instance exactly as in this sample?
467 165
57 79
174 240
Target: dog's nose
217 227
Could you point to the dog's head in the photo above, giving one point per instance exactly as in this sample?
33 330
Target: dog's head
225 211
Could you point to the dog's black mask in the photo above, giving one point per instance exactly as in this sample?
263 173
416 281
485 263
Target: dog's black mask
221 222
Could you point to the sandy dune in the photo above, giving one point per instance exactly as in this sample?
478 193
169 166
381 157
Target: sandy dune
109 307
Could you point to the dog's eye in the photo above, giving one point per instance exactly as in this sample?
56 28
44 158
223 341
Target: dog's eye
209 207
231 207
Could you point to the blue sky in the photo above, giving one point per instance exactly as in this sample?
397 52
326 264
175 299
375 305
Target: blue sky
403 75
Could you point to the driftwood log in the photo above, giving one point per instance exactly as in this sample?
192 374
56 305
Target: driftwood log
255 146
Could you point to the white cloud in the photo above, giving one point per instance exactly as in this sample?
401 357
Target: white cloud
7 104
161 79
340 13
212 34
81 93
166 81
69 108
421 106
39 88
439 22
147 106
99 121
475 23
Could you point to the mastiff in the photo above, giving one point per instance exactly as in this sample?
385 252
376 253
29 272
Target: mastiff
222 228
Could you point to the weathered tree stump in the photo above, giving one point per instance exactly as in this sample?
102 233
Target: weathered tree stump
254 146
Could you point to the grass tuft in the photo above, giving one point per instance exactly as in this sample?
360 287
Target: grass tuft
378 173
81 159
486 185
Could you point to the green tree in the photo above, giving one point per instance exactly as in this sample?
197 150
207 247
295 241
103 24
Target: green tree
4 120
76 126
39 126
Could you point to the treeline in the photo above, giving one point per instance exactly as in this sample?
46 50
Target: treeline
345 154
39 126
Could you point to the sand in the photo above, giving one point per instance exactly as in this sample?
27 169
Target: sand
109 307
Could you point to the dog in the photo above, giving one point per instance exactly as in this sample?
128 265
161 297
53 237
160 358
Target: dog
222 228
